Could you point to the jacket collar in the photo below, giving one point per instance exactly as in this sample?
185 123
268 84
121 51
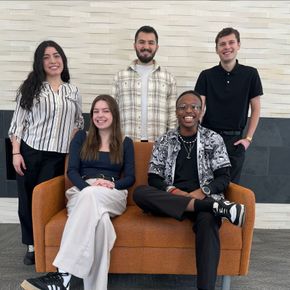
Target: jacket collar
173 134
132 66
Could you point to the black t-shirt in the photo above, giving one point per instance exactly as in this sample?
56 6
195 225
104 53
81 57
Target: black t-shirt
228 95
186 175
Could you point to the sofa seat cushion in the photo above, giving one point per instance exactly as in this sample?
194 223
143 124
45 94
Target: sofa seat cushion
137 229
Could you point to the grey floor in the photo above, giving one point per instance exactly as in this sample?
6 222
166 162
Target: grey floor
269 268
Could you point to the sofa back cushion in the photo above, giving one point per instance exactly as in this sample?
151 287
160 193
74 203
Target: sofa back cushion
142 156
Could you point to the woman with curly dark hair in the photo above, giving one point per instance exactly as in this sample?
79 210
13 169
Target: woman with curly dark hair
48 112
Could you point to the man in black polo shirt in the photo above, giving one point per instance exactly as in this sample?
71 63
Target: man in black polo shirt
228 90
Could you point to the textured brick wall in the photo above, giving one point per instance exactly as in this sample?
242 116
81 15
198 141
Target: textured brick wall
97 37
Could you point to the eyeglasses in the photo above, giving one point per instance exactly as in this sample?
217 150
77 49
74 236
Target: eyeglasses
184 107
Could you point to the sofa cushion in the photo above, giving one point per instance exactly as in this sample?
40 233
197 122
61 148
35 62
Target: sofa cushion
137 229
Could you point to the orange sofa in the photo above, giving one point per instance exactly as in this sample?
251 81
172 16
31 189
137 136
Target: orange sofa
145 244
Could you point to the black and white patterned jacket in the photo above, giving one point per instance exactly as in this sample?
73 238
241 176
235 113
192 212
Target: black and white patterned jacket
211 155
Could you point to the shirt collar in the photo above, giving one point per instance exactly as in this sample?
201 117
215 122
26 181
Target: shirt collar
132 66
233 71
46 83
47 89
173 134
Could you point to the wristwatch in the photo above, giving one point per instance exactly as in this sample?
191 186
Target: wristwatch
206 190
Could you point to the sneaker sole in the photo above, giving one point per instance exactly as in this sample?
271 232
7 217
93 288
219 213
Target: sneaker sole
242 216
27 286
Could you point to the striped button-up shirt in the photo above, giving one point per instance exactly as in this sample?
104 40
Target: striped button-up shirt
50 122
161 100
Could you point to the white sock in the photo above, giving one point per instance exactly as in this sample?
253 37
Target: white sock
30 248
66 278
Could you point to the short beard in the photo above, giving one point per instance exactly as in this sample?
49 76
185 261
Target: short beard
144 59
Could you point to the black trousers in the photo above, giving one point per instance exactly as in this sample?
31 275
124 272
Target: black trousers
237 156
205 225
40 166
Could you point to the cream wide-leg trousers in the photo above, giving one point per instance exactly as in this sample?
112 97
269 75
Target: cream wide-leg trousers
89 234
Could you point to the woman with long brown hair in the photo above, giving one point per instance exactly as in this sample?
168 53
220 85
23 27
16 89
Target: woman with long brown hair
101 168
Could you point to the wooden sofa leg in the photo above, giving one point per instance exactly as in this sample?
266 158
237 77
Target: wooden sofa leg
226 284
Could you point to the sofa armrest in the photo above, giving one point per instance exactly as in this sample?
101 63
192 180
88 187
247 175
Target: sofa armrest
244 196
48 199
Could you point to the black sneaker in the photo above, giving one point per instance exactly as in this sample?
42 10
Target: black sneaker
51 281
29 258
233 212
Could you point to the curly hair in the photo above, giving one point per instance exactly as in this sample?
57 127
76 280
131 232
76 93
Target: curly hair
31 87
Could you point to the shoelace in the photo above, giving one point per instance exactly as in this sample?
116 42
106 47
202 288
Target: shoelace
223 210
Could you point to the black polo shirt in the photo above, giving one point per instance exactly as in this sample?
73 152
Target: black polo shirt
228 95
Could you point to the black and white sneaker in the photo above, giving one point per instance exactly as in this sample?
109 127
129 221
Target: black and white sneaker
233 212
51 281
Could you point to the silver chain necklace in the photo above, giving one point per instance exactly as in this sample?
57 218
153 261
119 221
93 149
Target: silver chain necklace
190 147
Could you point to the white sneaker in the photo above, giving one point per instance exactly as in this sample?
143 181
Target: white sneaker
233 212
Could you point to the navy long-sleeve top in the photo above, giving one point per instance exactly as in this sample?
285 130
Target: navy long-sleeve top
124 174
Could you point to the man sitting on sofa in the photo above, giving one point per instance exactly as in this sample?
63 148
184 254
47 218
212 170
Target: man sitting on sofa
188 172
